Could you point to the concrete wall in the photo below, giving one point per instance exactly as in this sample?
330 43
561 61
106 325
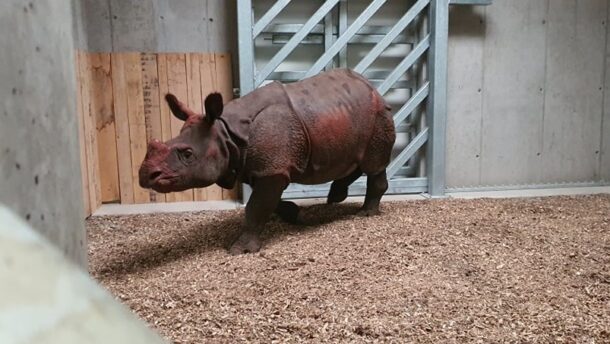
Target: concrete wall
39 150
527 93
158 25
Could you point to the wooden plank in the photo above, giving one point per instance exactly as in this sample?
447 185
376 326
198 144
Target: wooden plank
166 116
464 96
90 132
224 84
101 105
152 112
209 85
195 102
121 110
81 137
137 125
177 84
574 90
514 58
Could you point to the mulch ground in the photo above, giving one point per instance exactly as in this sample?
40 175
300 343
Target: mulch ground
437 271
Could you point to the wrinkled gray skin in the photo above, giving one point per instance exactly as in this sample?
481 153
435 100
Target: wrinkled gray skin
331 127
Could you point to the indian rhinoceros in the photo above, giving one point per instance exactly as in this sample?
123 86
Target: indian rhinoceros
334 126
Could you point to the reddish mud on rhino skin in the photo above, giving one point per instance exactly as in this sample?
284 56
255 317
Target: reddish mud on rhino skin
331 127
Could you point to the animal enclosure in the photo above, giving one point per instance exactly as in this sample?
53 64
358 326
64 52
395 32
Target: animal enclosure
527 107
121 108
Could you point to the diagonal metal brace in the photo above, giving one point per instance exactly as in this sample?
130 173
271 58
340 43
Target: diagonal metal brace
405 64
295 40
372 55
406 110
413 146
345 37
266 19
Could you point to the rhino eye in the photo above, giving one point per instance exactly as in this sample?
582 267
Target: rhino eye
186 154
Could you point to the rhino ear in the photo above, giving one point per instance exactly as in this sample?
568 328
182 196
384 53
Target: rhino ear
178 108
213 106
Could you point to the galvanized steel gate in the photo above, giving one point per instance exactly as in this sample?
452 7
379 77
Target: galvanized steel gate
417 78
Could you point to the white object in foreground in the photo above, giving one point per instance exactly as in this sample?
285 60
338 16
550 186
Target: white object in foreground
44 298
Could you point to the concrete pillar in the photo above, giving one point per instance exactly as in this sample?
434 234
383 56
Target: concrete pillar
39 147
46 299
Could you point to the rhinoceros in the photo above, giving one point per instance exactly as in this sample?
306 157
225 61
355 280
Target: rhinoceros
334 126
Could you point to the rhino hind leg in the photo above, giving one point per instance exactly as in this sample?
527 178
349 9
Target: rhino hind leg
339 188
288 211
265 197
376 186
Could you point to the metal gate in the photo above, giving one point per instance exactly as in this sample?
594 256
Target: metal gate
406 60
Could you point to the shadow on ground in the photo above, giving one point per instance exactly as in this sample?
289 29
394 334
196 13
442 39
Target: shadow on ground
192 236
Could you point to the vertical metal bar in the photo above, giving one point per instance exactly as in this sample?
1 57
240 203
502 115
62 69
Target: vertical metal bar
342 29
328 36
245 43
437 101
419 118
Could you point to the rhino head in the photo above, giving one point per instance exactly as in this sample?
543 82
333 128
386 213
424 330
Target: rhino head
202 154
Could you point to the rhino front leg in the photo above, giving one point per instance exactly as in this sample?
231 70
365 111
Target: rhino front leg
376 186
265 197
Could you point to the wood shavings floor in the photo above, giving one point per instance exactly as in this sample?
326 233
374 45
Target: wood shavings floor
434 271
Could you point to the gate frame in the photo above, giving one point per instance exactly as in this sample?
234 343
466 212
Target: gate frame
436 102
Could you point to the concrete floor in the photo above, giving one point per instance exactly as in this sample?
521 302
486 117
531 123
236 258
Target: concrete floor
128 209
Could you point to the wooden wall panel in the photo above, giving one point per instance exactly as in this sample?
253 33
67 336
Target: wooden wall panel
152 106
89 131
195 101
223 77
137 125
102 107
122 106
209 84
81 137
121 109
177 85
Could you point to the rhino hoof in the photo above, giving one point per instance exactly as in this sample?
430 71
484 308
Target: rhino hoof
246 243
